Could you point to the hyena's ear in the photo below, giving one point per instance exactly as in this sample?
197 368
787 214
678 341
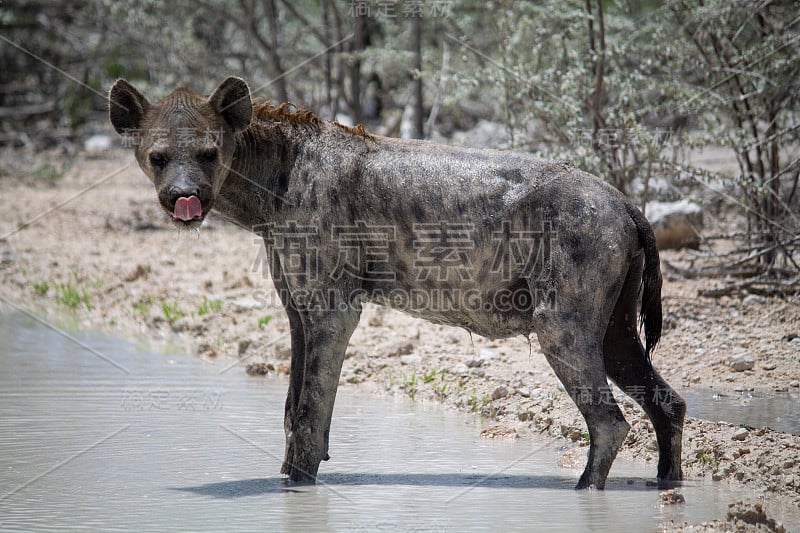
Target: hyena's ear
126 107
232 101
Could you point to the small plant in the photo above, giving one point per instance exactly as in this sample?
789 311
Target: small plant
473 402
706 459
264 320
209 306
585 438
71 296
410 385
143 307
429 376
41 288
442 391
48 172
171 311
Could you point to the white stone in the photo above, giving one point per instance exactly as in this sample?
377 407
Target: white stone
97 143
410 359
676 224
740 434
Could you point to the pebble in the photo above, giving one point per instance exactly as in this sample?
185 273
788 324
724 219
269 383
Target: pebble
499 432
741 362
410 359
671 497
769 366
459 368
752 299
244 344
794 383
741 434
524 392
393 349
259 369
282 351
247 304
487 354
499 392
182 324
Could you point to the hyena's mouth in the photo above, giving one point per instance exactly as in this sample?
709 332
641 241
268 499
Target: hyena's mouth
188 211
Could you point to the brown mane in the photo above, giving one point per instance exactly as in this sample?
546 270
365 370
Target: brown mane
288 112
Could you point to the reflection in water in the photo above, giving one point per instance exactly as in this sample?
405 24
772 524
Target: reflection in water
108 437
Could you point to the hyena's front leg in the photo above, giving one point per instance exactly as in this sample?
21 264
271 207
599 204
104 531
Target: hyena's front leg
313 390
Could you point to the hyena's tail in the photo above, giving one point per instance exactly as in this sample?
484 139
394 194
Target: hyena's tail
651 313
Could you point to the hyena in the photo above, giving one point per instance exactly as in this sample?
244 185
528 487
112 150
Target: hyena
510 245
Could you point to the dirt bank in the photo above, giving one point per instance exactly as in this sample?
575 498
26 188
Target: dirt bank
93 244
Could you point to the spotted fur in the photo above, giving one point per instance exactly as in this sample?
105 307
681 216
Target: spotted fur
499 243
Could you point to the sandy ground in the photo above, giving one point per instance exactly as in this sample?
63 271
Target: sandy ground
95 237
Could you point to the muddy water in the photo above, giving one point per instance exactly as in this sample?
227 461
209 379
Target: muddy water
780 411
97 435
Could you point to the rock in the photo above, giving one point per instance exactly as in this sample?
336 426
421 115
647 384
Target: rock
671 497
487 353
7 254
282 351
478 372
206 350
741 434
259 369
571 432
499 392
526 416
475 362
244 344
753 299
753 514
499 432
795 342
524 392
410 359
452 338
485 134
794 383
395 348
182 324
247 304
459 368
741 362
769 366
141 271
97 144
676 224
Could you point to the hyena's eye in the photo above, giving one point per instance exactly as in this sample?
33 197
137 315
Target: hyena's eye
158 160
208 156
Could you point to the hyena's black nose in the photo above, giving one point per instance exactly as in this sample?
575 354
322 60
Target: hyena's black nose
175 194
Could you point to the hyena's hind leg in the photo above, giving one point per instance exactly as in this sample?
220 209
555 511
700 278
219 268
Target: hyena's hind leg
628 366
575 353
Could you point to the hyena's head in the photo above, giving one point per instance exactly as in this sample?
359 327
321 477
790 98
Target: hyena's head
184 143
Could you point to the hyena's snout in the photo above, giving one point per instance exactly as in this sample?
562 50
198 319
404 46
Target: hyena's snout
187 202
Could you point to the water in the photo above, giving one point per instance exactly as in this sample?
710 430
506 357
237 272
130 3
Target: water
780 412
97 435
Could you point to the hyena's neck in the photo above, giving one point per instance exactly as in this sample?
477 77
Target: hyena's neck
258 177
278 164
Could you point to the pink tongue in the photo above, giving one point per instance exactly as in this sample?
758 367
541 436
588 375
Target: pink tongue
188 208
